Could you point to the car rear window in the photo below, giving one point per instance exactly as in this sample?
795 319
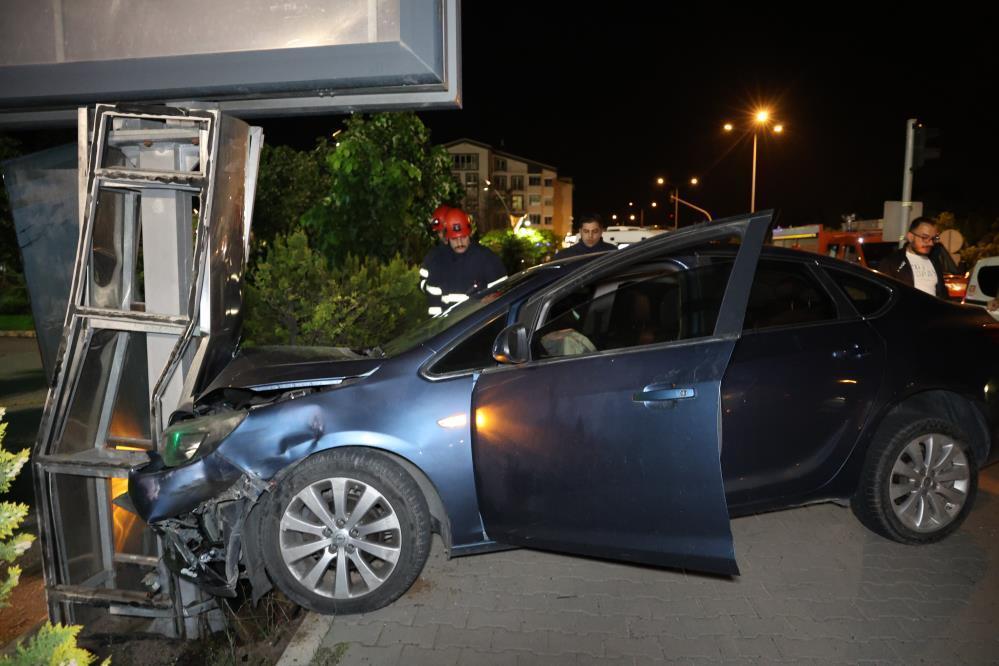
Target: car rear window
988 280
785 293
867 296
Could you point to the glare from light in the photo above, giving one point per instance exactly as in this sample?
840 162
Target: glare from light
614 216
778 128
631 203
847 381
727 127
762 116
654 204
481 421
454 421
632 217
660 181
694 181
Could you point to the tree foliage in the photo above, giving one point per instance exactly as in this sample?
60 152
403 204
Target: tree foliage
289 184
295 298
12 514
385 179
523 249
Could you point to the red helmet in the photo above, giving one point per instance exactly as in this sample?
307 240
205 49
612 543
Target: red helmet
456 224
437 219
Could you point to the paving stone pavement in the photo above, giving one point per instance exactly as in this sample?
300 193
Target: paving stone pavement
816 588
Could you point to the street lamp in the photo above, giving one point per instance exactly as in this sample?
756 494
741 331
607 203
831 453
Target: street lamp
761 121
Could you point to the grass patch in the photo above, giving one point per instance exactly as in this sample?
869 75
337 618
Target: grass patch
9 322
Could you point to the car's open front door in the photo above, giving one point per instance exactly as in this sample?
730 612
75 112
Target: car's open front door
606 442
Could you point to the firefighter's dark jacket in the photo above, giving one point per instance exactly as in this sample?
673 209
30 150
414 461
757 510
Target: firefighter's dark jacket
447 277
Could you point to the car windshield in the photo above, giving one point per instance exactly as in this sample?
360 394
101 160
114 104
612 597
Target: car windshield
456 313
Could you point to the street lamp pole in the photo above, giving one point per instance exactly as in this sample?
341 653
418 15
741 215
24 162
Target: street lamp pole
762 120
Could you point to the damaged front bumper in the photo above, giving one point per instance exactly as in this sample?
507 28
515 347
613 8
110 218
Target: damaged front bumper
203 514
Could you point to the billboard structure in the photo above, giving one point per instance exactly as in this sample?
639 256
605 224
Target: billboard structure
149 315
252 57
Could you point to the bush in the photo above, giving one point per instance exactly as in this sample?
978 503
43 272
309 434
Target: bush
528 247
294 298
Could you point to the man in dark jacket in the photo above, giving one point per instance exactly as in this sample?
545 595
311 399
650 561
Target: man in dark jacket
591 239
450 273
916 263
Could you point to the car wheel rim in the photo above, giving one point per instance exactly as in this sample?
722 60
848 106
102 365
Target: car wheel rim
340 538
929 483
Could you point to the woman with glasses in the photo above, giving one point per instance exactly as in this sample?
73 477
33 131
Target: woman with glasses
916 263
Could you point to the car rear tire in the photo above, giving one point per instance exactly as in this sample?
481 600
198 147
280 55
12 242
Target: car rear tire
348 531
918 483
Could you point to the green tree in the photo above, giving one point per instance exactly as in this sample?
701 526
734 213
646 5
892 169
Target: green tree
528 247
290 182
12 514
385 180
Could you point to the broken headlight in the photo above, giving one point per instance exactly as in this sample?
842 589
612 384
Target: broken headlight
196 438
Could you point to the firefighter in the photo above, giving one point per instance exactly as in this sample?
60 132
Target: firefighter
437 229
450 274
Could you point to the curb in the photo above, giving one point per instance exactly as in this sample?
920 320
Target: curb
17 334
304 644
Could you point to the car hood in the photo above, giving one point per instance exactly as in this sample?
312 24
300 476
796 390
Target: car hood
284 368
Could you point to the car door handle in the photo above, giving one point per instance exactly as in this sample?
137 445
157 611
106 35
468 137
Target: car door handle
657 394
854 351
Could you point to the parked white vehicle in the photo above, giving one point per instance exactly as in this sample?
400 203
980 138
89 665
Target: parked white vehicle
620 236
984 283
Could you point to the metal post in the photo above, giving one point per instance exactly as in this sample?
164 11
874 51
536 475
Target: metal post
752 193
906 208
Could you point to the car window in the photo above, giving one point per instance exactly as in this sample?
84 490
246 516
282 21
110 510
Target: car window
867 296
474 352
785 293
677 298
456 313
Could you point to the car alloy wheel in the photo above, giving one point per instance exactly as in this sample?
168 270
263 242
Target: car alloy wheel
340 538
918 482
929 482
346 531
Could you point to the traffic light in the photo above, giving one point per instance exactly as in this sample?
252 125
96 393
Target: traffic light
926 145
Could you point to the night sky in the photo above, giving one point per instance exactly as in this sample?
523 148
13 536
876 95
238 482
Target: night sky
617 101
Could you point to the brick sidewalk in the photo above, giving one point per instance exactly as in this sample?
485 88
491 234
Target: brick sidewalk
816 587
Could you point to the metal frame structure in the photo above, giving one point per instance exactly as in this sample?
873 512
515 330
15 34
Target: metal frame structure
139 273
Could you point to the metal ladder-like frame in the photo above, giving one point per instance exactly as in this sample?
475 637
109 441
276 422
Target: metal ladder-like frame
102 459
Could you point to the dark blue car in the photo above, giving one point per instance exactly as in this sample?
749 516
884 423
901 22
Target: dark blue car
625 406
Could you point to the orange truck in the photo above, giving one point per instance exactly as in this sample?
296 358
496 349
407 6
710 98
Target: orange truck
866 248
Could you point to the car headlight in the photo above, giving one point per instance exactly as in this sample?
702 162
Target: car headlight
196 438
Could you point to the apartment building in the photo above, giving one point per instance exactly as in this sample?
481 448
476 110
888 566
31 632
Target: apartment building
518 186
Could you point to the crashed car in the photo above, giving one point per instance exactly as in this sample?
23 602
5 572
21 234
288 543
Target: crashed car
624 405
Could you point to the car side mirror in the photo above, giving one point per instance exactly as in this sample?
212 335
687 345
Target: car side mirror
511 347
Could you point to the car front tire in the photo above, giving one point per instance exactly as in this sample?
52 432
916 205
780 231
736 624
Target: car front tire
918 483
347 531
